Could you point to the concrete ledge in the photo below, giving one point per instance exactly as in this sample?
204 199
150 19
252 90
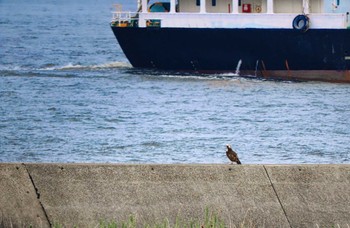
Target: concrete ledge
84 194
268 196
19 205
313 195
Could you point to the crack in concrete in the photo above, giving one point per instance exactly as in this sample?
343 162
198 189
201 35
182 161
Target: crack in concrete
37 194
278 198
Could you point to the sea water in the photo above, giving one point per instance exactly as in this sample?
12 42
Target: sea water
68 94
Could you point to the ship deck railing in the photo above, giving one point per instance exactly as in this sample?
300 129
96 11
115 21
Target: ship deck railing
226 20
125 19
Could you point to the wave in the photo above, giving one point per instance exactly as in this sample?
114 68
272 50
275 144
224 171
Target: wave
186 75
71 66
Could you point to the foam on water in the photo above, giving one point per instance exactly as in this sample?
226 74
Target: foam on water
71 66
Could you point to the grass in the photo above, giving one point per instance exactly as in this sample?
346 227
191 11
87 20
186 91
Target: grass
210 220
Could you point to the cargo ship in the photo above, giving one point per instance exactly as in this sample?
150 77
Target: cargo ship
273 39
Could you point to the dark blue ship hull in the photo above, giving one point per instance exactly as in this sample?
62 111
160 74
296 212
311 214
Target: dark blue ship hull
318 54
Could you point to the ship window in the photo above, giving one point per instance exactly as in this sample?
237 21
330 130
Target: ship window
213 2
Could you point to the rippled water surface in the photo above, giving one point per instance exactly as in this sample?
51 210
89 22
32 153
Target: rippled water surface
68 94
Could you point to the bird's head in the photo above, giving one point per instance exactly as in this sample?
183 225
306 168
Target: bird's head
228 146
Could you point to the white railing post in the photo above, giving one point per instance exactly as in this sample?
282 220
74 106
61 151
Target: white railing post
202 6
269 6
138 5
172 6
306 7
144 6
235 6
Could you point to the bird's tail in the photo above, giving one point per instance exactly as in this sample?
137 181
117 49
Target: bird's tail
239 162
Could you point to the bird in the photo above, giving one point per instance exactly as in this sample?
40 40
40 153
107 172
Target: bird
232 155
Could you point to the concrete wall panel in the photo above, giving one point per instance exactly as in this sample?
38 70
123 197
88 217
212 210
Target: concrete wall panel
262 195
313 195
84 194
19 206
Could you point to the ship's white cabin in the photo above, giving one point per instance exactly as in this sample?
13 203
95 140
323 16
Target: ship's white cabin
322 14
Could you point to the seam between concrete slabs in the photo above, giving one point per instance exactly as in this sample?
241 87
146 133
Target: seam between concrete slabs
37 194
278 198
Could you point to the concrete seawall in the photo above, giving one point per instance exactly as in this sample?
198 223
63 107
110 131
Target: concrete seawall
84 194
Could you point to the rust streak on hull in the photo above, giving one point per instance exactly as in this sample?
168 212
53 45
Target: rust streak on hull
303 75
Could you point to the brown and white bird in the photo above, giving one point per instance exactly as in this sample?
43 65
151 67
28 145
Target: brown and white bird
232 155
